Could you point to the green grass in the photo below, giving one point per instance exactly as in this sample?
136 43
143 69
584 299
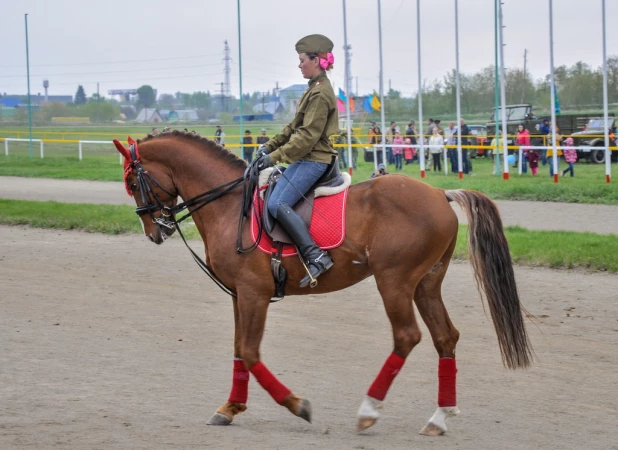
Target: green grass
108 219
555 249
534 248
102 163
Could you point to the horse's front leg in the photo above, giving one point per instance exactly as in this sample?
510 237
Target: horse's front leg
237 402
253 307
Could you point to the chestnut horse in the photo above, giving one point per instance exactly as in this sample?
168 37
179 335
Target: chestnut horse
407 267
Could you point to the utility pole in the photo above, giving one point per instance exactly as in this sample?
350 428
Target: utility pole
227 69
28 76
523 88
98 100
356 90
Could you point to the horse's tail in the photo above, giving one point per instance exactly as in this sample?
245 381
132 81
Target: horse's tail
493 270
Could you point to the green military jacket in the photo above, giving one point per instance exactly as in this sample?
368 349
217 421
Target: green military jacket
306 137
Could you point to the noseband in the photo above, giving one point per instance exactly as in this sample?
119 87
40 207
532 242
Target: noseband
152 204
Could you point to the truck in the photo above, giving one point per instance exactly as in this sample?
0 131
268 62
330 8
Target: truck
523 114
593 135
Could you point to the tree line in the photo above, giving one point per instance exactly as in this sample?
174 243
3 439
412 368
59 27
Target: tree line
579 88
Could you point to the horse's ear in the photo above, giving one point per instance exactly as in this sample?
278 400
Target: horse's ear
122 149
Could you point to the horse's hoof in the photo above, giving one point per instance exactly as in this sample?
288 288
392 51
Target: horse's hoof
437 423
219 419
304 410
432 430
365 422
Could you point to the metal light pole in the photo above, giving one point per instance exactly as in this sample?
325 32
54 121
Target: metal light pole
504 140
608 153
28 76
382 106
347 87
496 90
419 132
242 147
552 95
458 100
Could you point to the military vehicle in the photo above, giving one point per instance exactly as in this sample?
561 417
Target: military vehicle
523 114
593 135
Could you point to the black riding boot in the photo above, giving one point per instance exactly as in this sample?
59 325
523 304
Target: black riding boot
317 260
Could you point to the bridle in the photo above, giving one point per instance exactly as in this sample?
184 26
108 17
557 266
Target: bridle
151 203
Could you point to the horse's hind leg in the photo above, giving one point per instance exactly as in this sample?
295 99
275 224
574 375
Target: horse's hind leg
237 401
396 287
428 299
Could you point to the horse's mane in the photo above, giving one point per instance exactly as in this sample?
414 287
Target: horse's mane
206 143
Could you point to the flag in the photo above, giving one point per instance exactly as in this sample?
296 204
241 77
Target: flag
556 101
342 96
367 104
375 103
340 105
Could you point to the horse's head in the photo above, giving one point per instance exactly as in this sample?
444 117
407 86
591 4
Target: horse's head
154 192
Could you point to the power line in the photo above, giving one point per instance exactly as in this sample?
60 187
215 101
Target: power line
117 62
112 71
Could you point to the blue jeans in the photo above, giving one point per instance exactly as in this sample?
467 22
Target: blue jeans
452 156
543 156
294 183
569 169
398 162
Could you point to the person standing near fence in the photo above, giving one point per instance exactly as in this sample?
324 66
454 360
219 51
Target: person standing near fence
220 136
523 140
411 135
545 130
398 151
248 147
570 156
436 148
450 135
465 133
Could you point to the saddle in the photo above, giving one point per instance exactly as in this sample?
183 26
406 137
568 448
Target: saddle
327 227
331 182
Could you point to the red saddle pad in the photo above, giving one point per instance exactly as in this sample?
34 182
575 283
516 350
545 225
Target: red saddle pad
327 224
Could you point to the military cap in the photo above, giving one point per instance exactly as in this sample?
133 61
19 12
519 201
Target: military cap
314 43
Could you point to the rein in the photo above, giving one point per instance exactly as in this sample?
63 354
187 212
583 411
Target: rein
168 219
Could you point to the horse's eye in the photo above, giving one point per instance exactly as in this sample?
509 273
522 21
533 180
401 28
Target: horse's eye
133 187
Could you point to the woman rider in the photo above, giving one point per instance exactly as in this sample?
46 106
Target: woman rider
304 144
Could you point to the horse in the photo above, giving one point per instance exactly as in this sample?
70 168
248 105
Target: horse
408 267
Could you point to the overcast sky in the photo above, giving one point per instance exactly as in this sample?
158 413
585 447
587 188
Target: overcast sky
178 46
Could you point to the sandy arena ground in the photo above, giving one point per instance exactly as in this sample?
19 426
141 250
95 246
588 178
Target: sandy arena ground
114 343
600 219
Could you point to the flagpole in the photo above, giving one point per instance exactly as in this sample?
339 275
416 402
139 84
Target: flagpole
608 153
242 147
552 95
28 76
347 87
382 105
458 100
505 140
421 140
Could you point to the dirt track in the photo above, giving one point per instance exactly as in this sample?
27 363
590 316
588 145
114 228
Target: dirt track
600 219
111 342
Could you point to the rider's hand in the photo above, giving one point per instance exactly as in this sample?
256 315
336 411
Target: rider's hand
262 151
264 162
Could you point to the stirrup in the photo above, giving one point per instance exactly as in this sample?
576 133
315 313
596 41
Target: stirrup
319 266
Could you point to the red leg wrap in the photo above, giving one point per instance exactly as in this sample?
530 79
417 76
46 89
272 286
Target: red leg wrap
268 381
385 378
447 382
240 383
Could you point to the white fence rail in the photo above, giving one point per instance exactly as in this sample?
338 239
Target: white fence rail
80 149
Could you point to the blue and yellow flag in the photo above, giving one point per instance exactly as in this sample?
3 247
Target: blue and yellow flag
375 102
